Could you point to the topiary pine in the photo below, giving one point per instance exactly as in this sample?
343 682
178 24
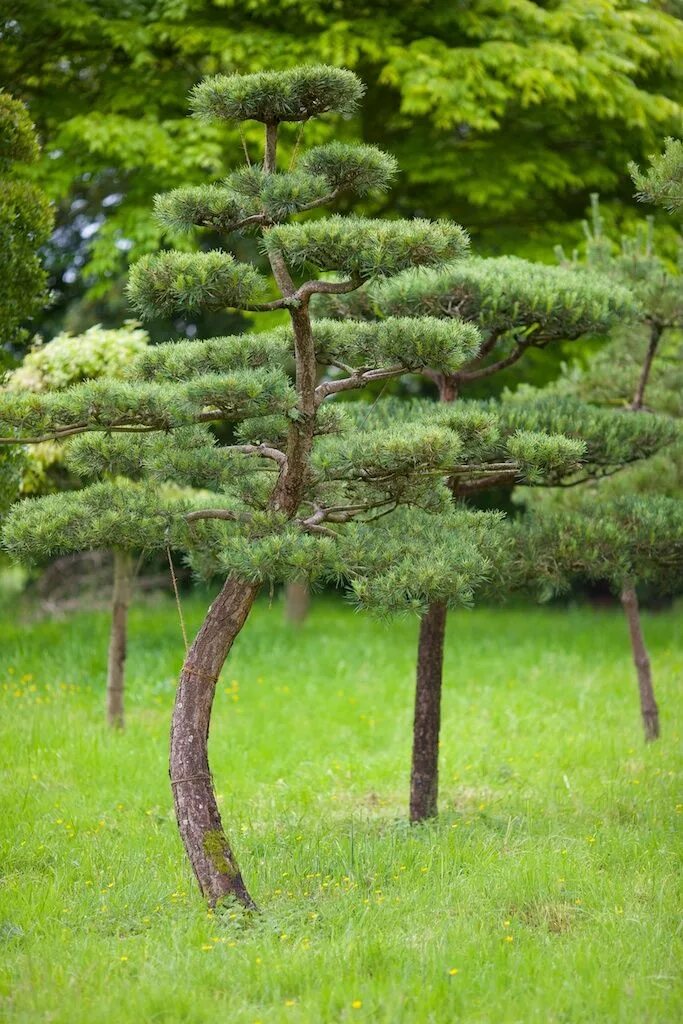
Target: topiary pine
62 362
282 496
640 510
634 541
517 306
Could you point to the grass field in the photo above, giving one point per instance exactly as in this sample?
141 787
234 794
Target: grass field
547 892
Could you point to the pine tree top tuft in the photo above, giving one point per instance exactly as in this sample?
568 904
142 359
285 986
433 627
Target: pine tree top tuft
296 94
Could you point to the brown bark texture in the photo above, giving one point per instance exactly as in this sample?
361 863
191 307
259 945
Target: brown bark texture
648 705
424 778
199 820
118 637
424 774
655 335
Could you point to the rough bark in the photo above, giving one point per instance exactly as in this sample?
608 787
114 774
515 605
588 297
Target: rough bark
648 705
118 638
199 820
424 776
297 602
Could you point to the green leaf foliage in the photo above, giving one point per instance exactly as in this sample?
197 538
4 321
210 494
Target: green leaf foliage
70 358
25 224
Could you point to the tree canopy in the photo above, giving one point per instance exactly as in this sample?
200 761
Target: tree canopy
502 115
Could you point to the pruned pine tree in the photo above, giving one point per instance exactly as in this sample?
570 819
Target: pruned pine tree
291 492
517 306
632 541
662 182
47 468
641 367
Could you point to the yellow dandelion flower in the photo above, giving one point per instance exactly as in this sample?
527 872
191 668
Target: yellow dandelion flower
509 938
453 971
356 1004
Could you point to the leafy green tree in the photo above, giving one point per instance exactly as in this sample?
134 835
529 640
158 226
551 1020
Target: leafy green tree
519 307
59 364
25 225
505 114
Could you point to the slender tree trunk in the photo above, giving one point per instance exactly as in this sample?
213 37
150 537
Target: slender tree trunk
655 335
196 808
424 773
297 602
424 777
118 638
648 705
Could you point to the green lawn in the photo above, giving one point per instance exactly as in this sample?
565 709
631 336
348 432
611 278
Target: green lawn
547 892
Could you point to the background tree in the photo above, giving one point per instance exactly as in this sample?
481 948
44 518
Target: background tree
518 307
58 365
641 367
633 541
503 115
25 225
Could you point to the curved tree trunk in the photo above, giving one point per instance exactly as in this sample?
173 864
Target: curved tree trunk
424 777
118 637
297 602
196 808
648 705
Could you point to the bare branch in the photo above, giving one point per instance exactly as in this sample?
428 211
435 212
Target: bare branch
218 513
357 380
263 450
330 287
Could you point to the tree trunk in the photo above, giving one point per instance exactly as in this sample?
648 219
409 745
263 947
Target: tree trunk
655 335
424 777
116 668
297 602
196 808
648 705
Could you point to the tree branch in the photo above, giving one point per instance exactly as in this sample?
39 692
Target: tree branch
357 380
218 513
263 450
486 371
330 287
